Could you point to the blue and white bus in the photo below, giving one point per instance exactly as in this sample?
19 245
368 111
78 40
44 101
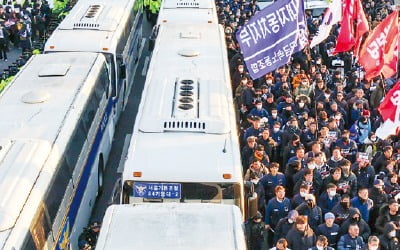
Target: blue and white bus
111 27
55 138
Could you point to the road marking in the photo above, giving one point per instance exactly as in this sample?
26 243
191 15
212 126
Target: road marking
142 46
124 154
146 62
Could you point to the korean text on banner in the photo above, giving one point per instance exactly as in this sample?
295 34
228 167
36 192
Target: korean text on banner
272 35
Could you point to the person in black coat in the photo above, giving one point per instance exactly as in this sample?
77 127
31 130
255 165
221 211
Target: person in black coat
284 225
329 198
301 236
388 240
312 211
387 213
355 218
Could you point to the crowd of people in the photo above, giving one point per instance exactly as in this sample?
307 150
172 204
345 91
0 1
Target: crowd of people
323 178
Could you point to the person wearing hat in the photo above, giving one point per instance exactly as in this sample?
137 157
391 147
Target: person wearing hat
290 147
284 225
256 234
388 212
388 239
379 198
329 229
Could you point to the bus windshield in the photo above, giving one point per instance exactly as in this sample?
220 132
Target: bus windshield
225 193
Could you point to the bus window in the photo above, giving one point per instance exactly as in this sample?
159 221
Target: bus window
226 193
111 70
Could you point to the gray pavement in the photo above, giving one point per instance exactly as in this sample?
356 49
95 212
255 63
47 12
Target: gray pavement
12 56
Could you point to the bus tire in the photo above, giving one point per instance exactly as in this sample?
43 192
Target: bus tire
100 176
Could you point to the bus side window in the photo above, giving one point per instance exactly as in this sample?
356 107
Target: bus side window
111 72
121 68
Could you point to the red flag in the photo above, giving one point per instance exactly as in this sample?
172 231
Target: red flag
390 112
391 56
362 26
377 44
345 40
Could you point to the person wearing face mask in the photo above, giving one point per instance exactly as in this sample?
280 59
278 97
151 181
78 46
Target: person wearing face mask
258 110
300 197
310 209
329 198
256 234
322 244
309 136
343 210
274 117
363 203
290 150
317 178
304 87
329 229
284 225
388 240
351 240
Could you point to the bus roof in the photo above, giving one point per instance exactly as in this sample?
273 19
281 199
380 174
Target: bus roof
174 226
186 122
183 11
91 22
45 96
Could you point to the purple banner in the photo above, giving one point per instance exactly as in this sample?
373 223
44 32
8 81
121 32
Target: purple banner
272 35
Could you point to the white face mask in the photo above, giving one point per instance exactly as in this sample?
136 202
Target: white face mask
332 193
276 130
320 248
373 248
290 221
269 82
392 234
303 194
311 166
327 96
301 104
259 107
274 114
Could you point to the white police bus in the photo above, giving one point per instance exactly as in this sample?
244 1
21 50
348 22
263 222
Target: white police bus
184 146
55 138
111 27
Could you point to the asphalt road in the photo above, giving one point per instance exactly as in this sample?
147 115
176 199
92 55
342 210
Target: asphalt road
123 131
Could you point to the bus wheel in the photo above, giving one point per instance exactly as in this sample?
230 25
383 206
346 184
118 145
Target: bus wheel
100 175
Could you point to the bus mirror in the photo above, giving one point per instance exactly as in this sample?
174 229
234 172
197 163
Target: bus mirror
116 193
122 69
153 36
